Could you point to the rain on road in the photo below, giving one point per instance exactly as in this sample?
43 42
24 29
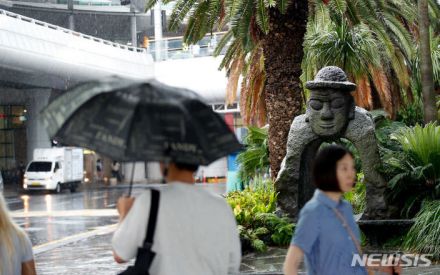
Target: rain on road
71 232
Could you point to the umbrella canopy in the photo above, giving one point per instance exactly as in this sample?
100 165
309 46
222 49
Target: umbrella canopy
139 121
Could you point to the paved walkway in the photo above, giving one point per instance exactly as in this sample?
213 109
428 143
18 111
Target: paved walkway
92 255
90 252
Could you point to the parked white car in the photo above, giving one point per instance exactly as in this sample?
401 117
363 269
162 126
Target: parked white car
54 169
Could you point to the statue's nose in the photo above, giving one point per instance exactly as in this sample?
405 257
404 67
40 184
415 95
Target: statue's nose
326 113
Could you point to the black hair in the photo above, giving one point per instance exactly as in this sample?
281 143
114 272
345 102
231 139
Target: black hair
185 166
324 167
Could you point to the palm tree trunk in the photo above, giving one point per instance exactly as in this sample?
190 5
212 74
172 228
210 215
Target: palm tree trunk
283 52
430 109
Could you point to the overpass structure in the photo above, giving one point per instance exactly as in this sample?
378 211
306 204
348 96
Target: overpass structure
38 61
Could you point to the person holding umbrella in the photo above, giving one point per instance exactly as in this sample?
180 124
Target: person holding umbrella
196 232
178 228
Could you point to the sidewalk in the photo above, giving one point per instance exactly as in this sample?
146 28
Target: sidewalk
93 255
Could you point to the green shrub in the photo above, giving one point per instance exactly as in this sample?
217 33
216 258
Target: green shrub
254 161
254 210
357 197
412 113
424 235
411 163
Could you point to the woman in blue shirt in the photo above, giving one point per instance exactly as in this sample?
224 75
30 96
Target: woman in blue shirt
320 235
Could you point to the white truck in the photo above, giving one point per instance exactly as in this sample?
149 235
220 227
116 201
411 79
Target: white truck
55 169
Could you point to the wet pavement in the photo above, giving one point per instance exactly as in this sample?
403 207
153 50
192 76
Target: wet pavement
71 232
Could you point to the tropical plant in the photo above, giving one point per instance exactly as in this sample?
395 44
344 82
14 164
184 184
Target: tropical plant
416 103
424 235
357 197
427 77
254 210
254 160
264 45
411 113
369 41
422 144
412 164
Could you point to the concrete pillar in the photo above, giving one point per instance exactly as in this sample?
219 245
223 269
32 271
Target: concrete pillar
71 22
36 134
71 18
158 30
133 27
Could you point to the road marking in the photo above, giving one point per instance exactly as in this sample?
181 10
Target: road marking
67 213
74 238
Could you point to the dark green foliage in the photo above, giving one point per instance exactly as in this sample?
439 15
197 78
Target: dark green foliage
412 113
424 235
357 197
411 163
258 225
254 161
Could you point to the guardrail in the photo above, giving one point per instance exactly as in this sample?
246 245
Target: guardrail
73 33
175 48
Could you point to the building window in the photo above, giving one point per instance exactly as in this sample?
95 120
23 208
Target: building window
12 125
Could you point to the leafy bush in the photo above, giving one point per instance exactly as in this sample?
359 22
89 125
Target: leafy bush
424 235
411 162
254 209
254 161
357 197
411 113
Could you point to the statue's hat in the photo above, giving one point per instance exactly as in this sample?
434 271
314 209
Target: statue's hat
331 77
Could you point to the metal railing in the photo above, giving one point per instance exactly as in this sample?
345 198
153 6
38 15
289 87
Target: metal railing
174 48
73 33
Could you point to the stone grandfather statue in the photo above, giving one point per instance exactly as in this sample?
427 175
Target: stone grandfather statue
331 114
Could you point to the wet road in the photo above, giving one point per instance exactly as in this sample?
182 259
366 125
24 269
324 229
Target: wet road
48 218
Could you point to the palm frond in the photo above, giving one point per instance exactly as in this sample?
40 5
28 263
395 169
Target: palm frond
150 4
251 96
262 16
234 75
198 24
362 95
180 11
401 34
232 8
222 43
382 85
214 13
283 5
233 51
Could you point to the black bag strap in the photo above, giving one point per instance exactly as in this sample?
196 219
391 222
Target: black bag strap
154 209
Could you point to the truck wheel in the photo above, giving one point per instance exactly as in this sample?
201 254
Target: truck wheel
58 188
72 188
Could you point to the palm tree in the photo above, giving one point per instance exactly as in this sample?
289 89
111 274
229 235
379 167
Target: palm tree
430 112
358 42
265 46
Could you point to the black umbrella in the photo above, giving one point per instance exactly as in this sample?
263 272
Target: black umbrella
139 121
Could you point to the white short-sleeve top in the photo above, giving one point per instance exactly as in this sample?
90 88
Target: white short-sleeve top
196 232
